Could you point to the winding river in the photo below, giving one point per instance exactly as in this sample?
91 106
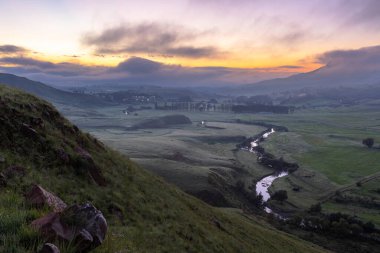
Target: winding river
263 185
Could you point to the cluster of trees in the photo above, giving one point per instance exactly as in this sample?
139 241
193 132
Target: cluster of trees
257 108
335 224
369 142
254 100
357 200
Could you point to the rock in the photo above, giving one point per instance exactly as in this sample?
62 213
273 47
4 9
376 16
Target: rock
13 171
83 153
37 122
28 130
39 197
2 159
91 168
63 156
83 225
49 248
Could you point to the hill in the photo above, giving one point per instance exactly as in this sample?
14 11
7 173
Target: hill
144 213
357 68
49 93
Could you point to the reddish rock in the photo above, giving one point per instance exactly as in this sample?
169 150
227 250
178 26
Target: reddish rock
39 197
82 224
49 248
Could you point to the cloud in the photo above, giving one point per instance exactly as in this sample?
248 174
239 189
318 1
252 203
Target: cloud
26 61
11 49
136 70
364 12
367 58
136 65
30 65
149 38
290 67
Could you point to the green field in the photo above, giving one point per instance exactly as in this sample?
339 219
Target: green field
326 143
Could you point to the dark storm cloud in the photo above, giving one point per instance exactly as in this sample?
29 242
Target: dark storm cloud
11 49
150 39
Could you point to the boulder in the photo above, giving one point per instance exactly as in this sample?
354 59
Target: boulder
49 248
39 197
82 225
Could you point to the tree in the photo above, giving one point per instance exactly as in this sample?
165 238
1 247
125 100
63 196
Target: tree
280 195
368 142
317 208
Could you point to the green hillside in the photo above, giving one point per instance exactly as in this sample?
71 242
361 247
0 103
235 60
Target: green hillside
144 213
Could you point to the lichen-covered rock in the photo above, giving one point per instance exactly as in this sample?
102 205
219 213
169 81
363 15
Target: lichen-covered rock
83 225
40 197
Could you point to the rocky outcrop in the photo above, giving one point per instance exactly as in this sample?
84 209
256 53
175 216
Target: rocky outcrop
40 197
90 166
81 225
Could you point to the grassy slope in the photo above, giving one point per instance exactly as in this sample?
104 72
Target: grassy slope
152 216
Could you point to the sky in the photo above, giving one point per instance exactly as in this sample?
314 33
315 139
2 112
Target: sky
179 42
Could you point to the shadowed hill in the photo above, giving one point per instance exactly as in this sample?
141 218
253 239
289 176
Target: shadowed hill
144 213
49 93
